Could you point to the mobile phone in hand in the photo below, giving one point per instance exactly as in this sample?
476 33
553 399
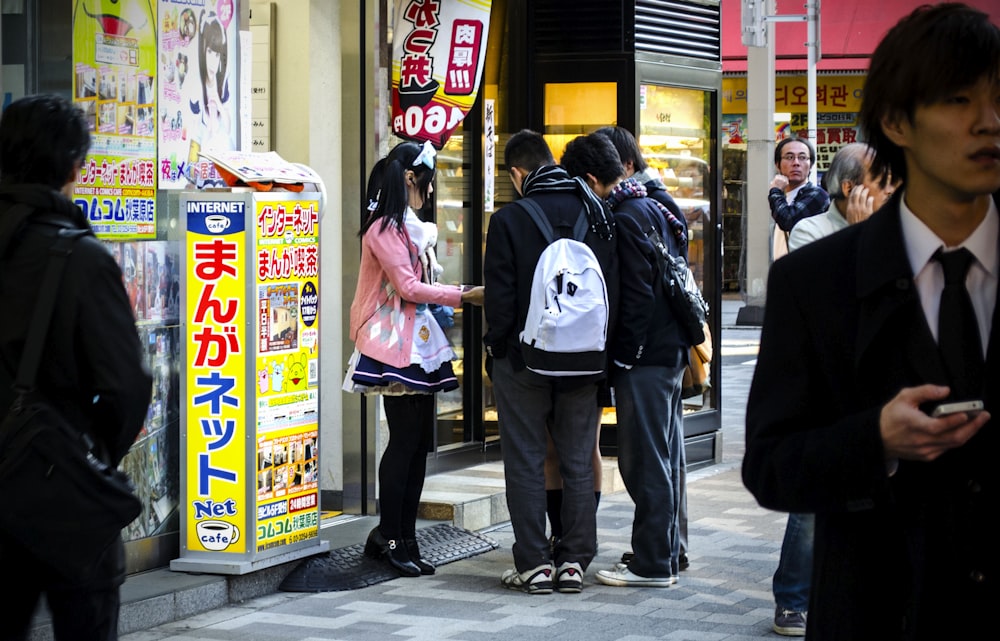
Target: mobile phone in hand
969 407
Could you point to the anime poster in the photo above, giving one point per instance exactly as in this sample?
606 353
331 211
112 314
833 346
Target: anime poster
438 54
114 84
199 89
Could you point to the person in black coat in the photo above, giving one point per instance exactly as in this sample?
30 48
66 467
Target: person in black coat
92 366
853 357
649 355
531 406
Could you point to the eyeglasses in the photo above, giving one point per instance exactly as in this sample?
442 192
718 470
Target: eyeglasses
803 158
426 156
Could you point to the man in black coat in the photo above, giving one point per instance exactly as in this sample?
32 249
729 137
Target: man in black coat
851 360
92 367
530 405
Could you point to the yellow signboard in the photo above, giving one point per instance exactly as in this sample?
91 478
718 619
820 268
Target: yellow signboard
287 367
216 444
834 94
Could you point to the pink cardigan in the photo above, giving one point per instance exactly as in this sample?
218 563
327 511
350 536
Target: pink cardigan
390 261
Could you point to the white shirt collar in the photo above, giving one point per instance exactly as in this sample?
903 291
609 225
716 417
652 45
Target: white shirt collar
921 242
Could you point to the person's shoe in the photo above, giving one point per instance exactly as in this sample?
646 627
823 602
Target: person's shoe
627 557
789 623
569 577
621 576
392 551
426 567
535 581
682 562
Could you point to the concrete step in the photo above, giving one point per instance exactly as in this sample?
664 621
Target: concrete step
476 497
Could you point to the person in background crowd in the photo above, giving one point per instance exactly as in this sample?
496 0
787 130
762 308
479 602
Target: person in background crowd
531 407
792 197
649 356
396 354
855 194
853 360
92 365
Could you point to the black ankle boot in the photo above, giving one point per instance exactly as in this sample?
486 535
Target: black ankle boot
392 551
376 546
397 557
413 549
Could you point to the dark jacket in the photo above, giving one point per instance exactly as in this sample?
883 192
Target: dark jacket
513 245
92 364
895 557
809 201
647 333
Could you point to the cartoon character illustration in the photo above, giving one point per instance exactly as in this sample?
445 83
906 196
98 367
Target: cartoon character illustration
277 377
296 368
262 380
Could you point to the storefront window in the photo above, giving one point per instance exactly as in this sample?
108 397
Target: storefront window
675 139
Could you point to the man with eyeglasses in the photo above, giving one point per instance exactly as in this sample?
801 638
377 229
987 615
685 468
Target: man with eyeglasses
792 197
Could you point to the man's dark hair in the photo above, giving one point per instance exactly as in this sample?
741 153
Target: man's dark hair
528 150
627 146
593 154
929 55
780 147
42 140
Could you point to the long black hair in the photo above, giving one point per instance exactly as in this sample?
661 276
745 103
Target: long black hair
387 195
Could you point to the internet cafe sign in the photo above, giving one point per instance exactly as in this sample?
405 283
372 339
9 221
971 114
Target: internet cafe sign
438 54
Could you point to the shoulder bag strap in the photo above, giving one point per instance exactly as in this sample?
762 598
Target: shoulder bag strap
32 355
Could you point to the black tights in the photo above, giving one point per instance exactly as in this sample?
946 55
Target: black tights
404 463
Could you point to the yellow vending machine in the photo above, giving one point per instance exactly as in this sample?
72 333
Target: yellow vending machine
250 383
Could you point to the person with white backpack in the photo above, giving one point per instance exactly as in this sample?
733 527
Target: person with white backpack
551 276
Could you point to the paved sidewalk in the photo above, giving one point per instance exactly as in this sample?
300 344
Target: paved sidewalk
725 595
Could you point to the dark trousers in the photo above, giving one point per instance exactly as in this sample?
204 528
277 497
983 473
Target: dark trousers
81 610
528 408
404 462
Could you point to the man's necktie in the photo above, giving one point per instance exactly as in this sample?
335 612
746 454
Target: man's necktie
958 330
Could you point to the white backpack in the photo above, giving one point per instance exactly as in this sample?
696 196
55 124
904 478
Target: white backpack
567 325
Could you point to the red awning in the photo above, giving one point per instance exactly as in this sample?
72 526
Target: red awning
849 32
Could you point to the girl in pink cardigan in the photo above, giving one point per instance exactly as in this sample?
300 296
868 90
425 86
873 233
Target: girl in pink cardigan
394 343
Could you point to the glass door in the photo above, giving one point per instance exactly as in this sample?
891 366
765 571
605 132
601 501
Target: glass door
675 136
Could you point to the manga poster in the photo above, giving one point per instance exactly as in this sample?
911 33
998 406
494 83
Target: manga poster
114 84
199 89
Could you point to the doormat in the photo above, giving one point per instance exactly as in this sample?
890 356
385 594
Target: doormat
349 569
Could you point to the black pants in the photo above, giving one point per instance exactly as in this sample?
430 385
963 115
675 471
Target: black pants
404 463
81 610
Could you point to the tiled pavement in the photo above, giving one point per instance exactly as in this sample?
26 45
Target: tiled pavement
724 596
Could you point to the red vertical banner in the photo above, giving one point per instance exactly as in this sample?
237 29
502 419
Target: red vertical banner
438 57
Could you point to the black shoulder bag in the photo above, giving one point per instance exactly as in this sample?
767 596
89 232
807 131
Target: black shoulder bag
686 302
58 498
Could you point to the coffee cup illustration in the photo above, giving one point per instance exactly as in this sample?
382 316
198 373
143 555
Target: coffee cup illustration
217 535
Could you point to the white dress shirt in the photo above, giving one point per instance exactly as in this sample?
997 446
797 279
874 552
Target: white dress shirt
981 281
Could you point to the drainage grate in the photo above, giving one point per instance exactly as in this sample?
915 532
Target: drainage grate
349 569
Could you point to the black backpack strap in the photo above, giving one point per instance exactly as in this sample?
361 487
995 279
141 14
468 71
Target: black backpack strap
32 355
543 224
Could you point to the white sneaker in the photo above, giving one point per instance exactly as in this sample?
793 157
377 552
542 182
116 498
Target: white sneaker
569 577
621 576
535 581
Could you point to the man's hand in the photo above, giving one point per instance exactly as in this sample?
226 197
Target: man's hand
859 205
779 182
910 434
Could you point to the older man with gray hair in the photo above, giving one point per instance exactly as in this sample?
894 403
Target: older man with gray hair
854 192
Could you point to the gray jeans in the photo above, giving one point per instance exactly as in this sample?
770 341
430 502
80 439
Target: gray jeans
528 405
650 441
